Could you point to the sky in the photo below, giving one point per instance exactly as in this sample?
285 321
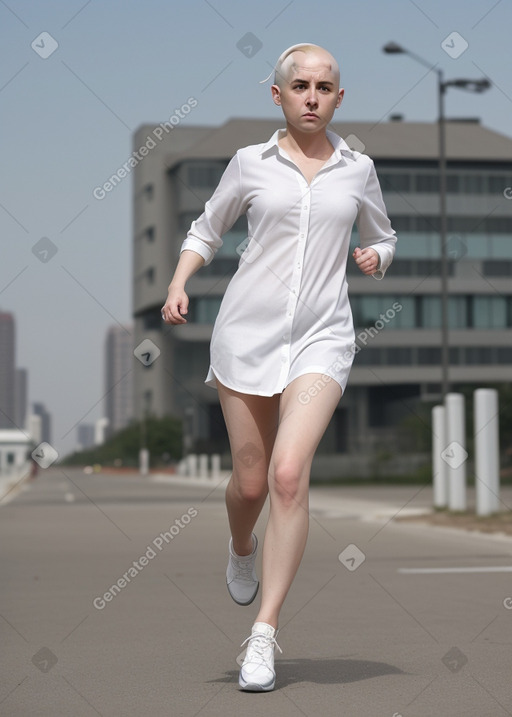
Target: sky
71 99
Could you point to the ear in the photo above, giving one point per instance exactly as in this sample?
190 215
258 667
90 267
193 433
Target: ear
340 97
276 94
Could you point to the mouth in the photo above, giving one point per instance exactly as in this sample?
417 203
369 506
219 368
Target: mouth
310 115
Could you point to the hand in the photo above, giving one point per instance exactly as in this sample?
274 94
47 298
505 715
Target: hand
175 306
367 260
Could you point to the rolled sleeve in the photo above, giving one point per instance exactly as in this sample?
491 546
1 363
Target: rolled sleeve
220 213
373 224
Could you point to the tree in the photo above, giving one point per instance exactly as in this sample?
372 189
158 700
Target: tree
163 440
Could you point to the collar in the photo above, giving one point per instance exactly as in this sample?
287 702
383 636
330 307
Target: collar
341 148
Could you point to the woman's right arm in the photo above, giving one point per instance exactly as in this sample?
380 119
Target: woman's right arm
177 300
205 238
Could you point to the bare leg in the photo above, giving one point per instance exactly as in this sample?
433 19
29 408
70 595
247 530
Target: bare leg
301 427
252 423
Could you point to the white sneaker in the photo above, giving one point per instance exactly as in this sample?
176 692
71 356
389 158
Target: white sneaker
257 673
241 577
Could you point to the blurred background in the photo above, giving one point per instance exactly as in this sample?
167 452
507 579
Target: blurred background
118 119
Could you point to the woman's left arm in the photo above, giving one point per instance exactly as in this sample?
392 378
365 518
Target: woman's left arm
375 230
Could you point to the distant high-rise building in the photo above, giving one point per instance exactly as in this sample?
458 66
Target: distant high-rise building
119 377
7 370
46 421
85 436
20 397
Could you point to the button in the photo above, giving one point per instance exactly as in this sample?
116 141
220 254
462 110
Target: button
305 206
283 359
302 236
286 337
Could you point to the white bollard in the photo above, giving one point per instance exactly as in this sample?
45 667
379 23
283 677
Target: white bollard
203 465
215 465
143 461
192 464
487 451
439 465
455 454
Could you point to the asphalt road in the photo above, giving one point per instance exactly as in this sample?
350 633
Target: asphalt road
365 635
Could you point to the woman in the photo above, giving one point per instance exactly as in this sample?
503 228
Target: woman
283 342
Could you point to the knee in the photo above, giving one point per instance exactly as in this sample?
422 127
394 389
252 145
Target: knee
288 483
251 491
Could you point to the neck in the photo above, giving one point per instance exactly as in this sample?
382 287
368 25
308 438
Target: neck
311 145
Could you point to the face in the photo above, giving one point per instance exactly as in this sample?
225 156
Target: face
310 92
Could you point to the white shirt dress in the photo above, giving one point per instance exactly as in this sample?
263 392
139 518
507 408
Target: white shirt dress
286 310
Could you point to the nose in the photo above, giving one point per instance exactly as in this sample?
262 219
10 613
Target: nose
311 98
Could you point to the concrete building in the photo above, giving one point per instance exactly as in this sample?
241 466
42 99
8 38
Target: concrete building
85 436
39 409
118 378
398 320
7 371
15 446
21 397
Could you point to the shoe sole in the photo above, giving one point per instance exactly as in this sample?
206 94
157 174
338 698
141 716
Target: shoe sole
243 603
250 687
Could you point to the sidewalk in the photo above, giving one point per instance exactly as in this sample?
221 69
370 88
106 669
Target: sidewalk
371 502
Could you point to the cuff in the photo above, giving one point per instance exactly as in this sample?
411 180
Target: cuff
199 247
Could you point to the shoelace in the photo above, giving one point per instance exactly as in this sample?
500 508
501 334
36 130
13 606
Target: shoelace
243 567
261 643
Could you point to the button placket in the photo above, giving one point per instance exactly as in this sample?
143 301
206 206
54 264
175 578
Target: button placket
298 265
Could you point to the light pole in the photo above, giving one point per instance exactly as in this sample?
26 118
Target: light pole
481 85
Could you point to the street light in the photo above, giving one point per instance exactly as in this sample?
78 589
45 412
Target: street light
392 48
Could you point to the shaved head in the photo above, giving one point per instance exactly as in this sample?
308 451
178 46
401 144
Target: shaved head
304 56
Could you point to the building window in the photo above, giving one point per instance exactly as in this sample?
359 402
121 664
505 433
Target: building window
474 355
149 234
148 192
493 267
473 184
150 275
427 183
152 320
395 181
489 312
204 310
497 184
504 354
204 175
